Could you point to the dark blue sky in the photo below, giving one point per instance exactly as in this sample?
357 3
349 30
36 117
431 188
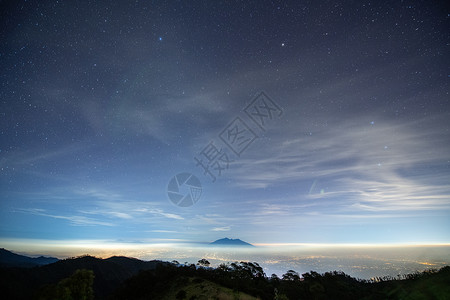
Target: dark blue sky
101 104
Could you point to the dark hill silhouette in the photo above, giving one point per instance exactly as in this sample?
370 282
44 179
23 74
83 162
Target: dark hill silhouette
230 242
10 259
245 278
109 274
129 278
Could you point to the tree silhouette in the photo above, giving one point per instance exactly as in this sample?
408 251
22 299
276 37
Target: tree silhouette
76 287
291 275
203 262
274 278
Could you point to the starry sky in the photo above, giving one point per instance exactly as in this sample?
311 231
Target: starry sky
329 120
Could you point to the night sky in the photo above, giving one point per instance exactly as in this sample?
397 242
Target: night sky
336 115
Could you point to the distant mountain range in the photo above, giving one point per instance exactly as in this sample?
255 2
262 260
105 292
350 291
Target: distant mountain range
230 242
10 259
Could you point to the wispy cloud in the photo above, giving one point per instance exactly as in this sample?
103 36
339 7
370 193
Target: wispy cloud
160 212
112 204
32 157
100 194
377 167
157 120
104 213
76 220
225 228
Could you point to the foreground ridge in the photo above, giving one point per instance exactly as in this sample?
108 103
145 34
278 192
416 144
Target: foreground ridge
118 277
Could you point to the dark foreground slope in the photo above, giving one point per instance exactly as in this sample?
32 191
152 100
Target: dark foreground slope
247 281
25 283
127 278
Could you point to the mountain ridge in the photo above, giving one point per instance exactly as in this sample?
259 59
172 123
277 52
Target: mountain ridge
11 259
121 277
230 242
21 282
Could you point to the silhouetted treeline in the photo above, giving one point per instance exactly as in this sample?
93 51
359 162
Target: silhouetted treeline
24 283
126 278
249 278
79 286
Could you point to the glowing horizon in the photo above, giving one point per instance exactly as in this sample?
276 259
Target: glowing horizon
359 260
110 245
